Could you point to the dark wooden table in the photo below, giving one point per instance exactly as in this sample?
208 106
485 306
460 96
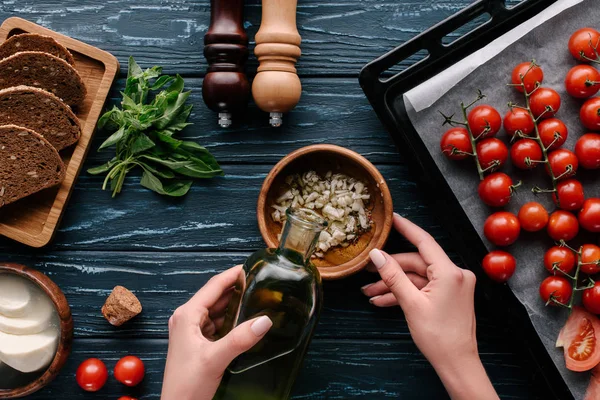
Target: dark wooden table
165 249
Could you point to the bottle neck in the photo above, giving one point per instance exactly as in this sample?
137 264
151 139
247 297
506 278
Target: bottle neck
300 236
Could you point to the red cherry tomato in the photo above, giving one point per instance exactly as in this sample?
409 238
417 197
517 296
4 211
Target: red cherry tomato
491 153
589 216
130 370
527 74
590 114
524 154
561 258
587 150
533 217
562 225
484 118
496 189
518 119
553 133
580 341
591 299
456 144
590 258
127 398
570 195
563 162
582 81
499 265
582 42
557 287
502 228
91 375
544 102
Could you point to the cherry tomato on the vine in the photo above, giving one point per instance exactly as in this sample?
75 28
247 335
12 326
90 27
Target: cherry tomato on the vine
587 150
557 287
496 189
583 41
502 228
491 153
559 258
518 119
533 217
553 133
456 144
591 298
531 76
544 102
499 265
570 195
590 258
484 121
562 225
589 216
563 163
582 81
525 154
91 375
590 114
130 370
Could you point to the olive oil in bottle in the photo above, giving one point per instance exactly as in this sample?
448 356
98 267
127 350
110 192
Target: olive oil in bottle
283 284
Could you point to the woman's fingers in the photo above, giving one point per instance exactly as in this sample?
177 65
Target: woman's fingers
411 262
395 278
220 307
379 288
385 300
429 249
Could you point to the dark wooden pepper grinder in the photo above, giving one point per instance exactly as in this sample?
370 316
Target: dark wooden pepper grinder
276 88
226 88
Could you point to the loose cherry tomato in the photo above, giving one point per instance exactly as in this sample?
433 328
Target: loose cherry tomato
491 153
496 189
518 120
91 375
589 216
533 217
544 102
562 225
570 195
583 42
587 150
590 258
553 133
580 340
561 258
591 298
130 370
484 121
524 154
456 144
556 287
502 228
582 81
127 398
563 162
499 265
590 114
528 74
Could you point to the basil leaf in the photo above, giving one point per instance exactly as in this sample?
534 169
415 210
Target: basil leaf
162 81
176 188
103 168
113 139
167 163
133 69
161 172
141 144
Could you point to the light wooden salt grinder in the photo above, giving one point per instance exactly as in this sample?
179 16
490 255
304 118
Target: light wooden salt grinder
276 88
226 89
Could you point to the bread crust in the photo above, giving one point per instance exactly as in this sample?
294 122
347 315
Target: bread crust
35 42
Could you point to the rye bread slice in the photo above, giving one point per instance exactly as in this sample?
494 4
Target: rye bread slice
44 71
41 112
34 42
28 164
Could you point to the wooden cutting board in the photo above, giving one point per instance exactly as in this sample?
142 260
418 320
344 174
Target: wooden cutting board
34 219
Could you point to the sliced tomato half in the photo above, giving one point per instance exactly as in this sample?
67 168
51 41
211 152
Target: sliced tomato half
580 340
593 390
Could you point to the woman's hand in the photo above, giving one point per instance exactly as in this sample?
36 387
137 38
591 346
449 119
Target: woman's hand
437 298
196 363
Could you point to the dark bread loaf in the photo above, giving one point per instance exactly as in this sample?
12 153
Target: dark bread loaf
42 112
34 42
44 71
28 164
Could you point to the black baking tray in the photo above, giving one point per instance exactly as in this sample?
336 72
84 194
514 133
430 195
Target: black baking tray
385 93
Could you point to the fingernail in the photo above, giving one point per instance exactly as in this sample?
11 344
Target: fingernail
377 257
372 299
397 215
261 325
364 287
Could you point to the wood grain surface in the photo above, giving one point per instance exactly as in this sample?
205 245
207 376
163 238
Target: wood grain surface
165 249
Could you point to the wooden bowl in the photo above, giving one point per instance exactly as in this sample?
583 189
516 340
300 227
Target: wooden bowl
339 262
66 328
